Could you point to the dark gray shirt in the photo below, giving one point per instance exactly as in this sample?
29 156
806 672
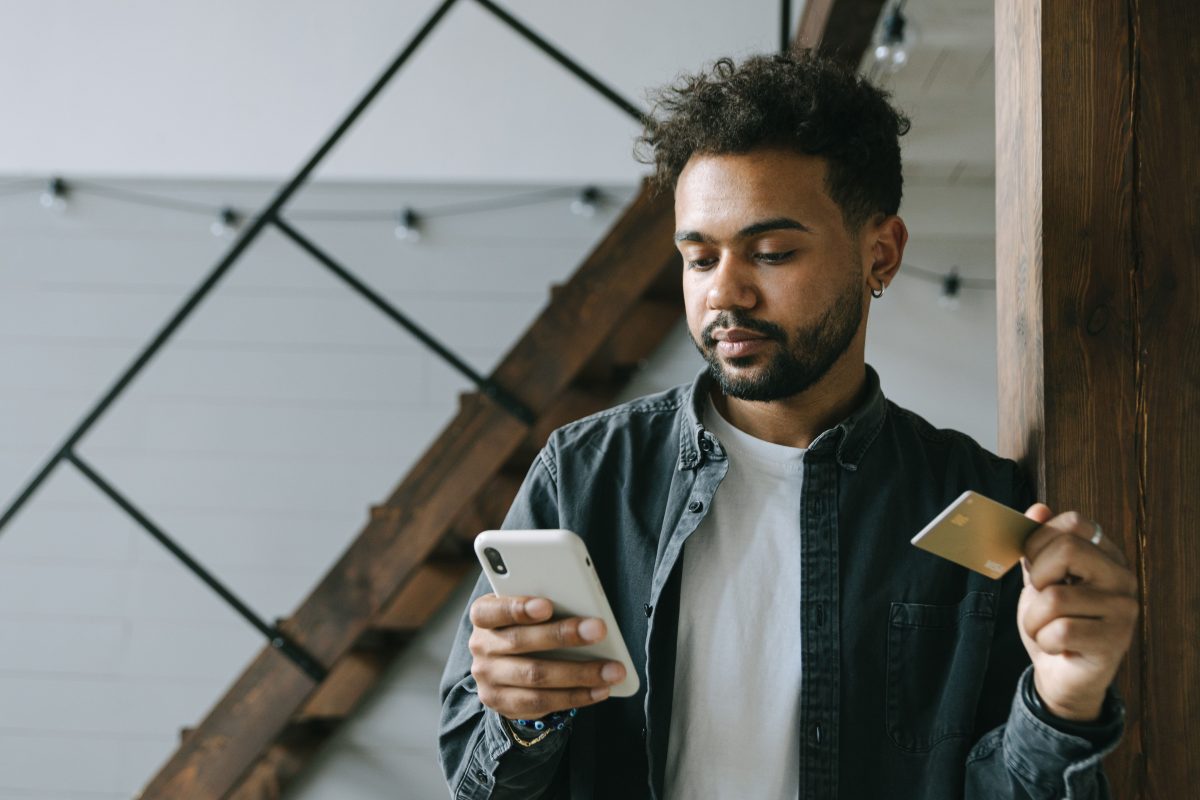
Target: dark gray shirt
912 664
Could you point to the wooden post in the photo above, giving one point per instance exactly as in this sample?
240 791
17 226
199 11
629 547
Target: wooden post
1098 248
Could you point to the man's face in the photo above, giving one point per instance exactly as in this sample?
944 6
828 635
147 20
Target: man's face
773 282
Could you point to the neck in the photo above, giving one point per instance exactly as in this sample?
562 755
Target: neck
797 420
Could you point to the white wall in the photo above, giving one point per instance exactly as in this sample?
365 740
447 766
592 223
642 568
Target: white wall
257 438
288 405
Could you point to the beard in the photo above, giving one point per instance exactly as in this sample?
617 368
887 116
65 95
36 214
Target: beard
801 359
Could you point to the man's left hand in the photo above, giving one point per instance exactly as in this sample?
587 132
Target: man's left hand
1077 612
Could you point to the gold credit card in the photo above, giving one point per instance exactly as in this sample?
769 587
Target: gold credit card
979 534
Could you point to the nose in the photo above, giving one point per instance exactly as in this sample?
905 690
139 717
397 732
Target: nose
731 285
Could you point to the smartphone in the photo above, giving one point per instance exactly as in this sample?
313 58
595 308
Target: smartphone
555 564
979 534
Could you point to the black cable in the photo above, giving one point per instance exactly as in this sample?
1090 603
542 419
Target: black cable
940 278
19 186
141 198
214 210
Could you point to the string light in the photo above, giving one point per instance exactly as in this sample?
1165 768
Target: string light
408 223
408 226
892 41
54 196
587 203
951 284
227 221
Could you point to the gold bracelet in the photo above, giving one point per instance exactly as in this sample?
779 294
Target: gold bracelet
522 742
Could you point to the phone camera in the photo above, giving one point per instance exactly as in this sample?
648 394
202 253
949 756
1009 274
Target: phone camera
493 557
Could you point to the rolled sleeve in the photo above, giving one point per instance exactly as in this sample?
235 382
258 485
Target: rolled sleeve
1041 761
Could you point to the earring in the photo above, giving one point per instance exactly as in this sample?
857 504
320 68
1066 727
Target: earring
879 294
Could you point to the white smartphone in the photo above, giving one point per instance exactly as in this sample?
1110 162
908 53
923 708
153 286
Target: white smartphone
555 564
978 533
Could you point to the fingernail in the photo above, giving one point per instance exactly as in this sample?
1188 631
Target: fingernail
538 607
591 630
612 672
600 693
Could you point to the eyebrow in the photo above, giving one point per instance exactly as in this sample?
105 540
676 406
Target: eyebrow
779 223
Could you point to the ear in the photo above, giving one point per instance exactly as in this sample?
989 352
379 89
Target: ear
884 242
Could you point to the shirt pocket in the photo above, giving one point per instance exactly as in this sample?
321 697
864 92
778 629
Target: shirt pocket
936 660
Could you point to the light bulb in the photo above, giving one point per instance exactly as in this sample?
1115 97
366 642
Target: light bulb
892 41
587 203
951 284
226 223
54 196
408 226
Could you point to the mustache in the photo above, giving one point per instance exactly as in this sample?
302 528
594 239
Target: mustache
727 319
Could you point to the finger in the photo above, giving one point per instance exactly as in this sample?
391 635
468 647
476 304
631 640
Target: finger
1071 556
1039 513
1078 601
1084 637
490 611
1074 524
515 703
518 639
549 673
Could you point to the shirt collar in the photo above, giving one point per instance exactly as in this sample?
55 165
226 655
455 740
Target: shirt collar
848 440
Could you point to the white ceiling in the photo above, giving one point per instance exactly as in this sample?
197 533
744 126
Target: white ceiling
218 88
225 89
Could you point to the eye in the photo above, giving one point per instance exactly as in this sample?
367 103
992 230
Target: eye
700 263
774 258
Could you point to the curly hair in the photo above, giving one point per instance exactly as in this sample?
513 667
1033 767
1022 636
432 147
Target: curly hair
799 101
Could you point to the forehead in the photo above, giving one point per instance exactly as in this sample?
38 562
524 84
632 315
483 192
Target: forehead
728 191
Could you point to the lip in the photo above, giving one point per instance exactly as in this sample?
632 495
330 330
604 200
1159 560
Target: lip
737 342
736 335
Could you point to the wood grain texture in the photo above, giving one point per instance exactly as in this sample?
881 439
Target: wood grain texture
610 312
264 705
1098 196
839 29
1166 293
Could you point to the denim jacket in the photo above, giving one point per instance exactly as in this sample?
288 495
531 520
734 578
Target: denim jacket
911 663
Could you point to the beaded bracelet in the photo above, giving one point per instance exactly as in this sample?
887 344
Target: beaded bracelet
546 725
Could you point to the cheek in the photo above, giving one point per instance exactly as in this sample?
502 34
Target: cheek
695 293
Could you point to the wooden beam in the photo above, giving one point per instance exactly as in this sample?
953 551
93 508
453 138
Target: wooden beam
839 29
1098 201
271 721
1166 400
403 531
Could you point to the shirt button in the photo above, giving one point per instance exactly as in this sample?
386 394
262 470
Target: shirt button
649 609
817 733
481 775
643 734
706 445
695 506
820 615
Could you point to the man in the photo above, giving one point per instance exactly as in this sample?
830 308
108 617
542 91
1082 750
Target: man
752 529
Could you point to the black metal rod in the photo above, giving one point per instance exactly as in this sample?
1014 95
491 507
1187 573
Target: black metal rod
301 657
562 58
497 393
785 26
201 291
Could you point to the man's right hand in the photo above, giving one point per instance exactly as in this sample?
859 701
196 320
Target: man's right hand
523 686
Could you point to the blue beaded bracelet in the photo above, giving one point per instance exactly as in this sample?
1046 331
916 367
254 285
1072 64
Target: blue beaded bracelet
556 720
544 726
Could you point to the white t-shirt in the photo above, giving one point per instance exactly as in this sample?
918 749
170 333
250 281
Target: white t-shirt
735 713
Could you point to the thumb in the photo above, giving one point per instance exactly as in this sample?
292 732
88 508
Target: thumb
1039 513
